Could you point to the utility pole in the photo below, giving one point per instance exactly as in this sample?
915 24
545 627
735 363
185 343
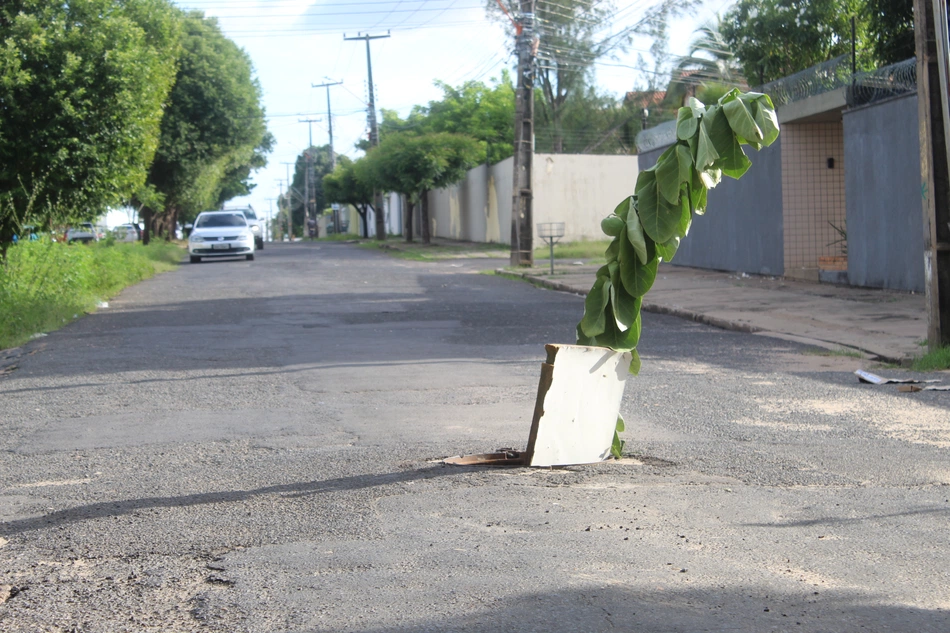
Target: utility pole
290 199
373 129
931 33
268 229
327 85
308 176
521 207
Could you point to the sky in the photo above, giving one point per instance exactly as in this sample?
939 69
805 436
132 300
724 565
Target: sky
294 44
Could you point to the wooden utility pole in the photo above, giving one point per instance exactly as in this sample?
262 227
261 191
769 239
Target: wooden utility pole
930 28
336 213
521 207
373 129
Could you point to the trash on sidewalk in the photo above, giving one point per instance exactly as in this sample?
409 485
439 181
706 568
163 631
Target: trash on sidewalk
913 388
874 379
576 411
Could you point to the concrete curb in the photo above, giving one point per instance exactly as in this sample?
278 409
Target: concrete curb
698 317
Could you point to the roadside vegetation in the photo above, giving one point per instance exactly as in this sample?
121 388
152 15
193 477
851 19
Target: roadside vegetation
937 360
44 285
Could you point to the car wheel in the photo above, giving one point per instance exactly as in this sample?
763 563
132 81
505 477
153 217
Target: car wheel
250 257
260 244
195 260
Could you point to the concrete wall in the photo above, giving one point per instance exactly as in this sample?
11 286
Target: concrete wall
742 228
578 190
884 216
478 209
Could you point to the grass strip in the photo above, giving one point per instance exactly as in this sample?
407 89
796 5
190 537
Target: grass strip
936 360
44 285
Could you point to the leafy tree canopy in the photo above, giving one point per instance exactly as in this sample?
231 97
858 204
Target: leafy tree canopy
321 166
82 85
891 30
776 38
214 130
484 112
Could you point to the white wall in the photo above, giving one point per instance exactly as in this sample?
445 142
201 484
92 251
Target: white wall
578 190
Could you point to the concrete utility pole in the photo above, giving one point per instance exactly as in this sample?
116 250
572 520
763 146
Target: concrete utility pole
289 200
308 189
521 208
336 213
933 49
373 129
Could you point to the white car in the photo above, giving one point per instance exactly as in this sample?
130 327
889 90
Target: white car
257 227
84 232
220 234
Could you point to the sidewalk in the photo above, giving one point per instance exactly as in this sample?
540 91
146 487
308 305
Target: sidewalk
887 325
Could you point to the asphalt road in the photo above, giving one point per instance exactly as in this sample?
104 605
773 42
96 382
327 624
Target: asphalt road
253 447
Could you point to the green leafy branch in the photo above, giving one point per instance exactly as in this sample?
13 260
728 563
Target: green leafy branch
648 226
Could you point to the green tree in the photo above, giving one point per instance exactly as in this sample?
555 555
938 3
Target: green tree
321 166
776 38
475 109
891 30
350 183
412 165
82 84
213 132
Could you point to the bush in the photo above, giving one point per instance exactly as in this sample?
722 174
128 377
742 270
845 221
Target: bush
45 284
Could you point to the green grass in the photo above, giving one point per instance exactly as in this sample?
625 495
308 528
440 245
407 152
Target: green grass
417 251
44 284
936 360
593 249
339 237
837 352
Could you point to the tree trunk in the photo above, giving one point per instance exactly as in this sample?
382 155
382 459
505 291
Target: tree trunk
380 219
408 222
424 221
171 229
146 214
362 210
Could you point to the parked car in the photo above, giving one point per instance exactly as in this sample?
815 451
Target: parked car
127 233
220 234
84 232
257 228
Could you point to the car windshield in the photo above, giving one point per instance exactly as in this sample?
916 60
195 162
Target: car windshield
220 219
250 214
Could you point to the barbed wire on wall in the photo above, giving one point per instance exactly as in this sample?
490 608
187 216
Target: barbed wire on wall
883 83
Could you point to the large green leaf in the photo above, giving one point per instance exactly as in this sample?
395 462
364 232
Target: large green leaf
706 153
594 321
720 134
686 123
765 117
613 250
734 163
668 175
657 216
697 196
624 207
741 120
635 234
667 250
617 339
626 307
686 214
685 159
637 278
